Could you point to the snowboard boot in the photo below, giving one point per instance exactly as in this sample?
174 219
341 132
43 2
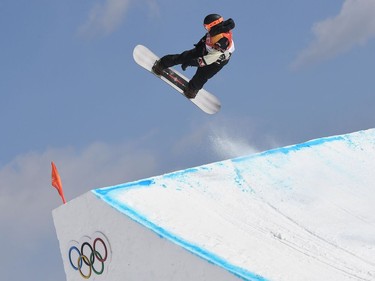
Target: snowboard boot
190 93
158 67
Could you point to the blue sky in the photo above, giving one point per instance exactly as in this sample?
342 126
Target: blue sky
71 93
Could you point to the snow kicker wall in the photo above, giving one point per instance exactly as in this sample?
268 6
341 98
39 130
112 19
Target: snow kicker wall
303 212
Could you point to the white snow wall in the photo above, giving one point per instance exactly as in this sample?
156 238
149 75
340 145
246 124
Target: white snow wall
303 212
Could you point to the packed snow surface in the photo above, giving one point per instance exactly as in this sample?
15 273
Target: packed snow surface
303 212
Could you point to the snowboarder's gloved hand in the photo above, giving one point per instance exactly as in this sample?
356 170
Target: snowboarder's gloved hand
184 66
224 26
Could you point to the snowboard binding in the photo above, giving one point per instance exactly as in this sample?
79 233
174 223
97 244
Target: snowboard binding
158 68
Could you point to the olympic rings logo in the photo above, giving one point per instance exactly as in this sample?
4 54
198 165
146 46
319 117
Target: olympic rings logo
89 258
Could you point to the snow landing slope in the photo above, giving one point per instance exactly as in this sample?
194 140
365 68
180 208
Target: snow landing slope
303 212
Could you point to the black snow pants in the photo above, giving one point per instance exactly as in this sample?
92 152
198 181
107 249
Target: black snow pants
202 74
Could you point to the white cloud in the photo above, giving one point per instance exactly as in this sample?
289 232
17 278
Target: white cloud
105 17
353 26
26 194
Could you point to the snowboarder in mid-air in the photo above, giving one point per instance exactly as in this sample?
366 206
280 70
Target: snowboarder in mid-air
209 55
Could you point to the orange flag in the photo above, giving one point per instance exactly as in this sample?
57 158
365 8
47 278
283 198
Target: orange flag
56 181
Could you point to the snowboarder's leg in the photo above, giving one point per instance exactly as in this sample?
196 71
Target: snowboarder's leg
201 77
172 60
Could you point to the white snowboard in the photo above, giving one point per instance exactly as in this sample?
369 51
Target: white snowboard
204 100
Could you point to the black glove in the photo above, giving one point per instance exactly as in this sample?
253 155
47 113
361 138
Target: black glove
184 66
229 24
222 27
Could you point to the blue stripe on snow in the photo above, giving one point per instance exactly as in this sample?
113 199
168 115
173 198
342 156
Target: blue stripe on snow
293 148
138 184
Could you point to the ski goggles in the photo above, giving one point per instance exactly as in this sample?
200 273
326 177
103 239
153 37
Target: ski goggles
215 22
